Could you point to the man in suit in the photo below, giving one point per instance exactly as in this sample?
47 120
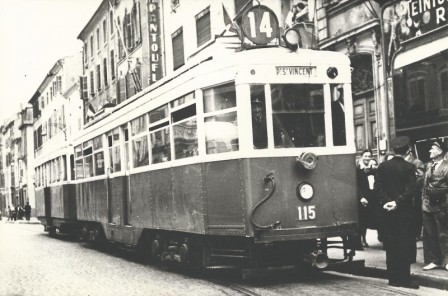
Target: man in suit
435 208
396 184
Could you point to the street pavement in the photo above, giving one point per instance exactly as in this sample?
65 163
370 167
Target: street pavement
374 258
375 264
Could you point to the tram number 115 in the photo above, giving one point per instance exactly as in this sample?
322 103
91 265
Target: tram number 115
307 213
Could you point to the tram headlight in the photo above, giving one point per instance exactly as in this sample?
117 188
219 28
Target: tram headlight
305 191
332 72
292 39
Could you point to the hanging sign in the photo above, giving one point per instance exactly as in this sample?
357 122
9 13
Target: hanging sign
260 25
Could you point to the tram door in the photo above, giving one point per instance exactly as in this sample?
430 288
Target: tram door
118 186
47 202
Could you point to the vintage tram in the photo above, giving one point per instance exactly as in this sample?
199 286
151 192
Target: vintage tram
245 159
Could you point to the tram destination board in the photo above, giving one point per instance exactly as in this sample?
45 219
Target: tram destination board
296 71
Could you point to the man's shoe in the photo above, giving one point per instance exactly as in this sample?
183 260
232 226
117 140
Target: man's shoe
430 266
410 285
394 283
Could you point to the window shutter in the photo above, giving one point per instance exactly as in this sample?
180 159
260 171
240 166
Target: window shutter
203 30
121 85
130 86
178 48
83 88
105 71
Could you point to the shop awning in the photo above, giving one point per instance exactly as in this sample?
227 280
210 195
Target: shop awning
421 52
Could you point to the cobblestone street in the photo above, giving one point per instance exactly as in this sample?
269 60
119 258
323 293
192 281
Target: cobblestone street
33 263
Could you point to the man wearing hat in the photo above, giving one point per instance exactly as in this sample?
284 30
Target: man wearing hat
396 184
435 208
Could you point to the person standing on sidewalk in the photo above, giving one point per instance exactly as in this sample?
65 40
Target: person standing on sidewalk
368 202
27 211
420 174
396 185
435 209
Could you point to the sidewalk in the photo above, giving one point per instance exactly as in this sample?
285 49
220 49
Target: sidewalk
375 264
33 220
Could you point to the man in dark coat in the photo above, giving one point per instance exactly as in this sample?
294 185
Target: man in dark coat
396 184
27 211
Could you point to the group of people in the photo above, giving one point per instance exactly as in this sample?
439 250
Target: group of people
18 212
401 197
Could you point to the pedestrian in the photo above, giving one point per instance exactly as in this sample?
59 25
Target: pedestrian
9 213
20 213
396 185
14 213
435 208
27 211
368 204
419 174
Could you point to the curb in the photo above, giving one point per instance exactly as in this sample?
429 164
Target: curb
431 281
22 222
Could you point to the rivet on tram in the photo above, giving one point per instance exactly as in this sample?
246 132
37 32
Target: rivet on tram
252 72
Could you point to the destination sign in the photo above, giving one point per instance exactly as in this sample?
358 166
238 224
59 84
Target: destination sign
296 71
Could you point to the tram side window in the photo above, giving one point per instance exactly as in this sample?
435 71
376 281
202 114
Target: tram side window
259 126
63 168
159 132
79 168
113 139
88 158
221 124
298 115
126 146
338 114
139 142
184 127
98 156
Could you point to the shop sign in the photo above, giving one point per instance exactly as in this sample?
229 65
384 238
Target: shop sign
154 41
409 19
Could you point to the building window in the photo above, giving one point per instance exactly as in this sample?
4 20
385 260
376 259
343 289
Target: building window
112 64
91 46
178 48
97 38
106 83
98 77
417 97
203 30
443 84
111 17
92 84
104 31
362 74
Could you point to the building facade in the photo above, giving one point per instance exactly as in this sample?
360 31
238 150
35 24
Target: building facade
415 42
115 58
58 117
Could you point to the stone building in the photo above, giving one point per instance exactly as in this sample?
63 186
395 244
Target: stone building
57 113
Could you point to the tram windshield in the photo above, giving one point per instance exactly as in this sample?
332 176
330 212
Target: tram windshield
297 118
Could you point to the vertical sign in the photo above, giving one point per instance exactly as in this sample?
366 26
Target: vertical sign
155 72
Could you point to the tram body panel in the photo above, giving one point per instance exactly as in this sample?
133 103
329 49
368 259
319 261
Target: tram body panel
224 194
161 198
91 198
116 193
140 202
187 198
63 203
331 206
40 202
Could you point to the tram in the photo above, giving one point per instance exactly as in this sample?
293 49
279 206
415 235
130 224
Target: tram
243 160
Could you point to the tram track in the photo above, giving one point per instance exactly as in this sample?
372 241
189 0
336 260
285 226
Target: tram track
240 289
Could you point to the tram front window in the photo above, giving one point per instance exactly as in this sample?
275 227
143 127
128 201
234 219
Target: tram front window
297 115
300 110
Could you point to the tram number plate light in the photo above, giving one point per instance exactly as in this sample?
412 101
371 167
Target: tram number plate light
307 213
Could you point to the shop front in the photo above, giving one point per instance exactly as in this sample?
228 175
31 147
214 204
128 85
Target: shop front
415 46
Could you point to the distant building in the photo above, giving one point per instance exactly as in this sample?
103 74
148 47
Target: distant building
115 58
57 110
